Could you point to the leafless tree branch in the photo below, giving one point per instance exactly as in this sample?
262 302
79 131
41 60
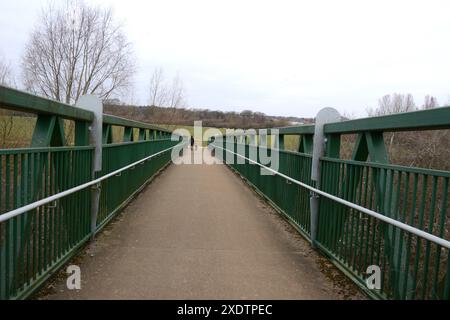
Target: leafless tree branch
163 94
77 49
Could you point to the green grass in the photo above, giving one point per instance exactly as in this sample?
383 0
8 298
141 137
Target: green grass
15 131
291 143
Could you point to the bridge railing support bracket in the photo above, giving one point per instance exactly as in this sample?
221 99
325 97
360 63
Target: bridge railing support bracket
326 115
94 104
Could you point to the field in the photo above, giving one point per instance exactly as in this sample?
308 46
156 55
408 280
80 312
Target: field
17 131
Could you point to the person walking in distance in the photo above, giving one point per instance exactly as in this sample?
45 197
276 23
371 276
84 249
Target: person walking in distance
192 143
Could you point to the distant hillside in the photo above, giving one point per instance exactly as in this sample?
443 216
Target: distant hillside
220 119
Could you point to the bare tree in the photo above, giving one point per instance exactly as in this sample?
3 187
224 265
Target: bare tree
393 103
163 94
6 74
77 49
157 88
176 93
430 102
421 148
6 118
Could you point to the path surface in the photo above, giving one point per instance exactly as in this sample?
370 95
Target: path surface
199 232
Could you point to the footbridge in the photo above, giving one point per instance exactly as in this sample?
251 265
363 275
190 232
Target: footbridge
127 203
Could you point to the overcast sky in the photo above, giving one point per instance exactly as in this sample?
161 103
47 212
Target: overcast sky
277 57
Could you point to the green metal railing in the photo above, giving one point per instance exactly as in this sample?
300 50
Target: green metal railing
289 199
36 243
31 244
412 267
116 191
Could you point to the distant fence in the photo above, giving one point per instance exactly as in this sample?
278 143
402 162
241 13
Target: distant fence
412 267
34 244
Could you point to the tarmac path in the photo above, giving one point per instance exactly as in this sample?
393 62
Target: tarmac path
199 232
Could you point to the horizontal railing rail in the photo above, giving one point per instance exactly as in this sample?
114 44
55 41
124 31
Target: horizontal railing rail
430 119
25 102
17 100
16 212
294 130
123 122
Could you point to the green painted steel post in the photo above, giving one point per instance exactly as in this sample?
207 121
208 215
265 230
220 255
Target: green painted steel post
81 133
333 145
306 144
281 142
107 134
128 134
142 134
49 131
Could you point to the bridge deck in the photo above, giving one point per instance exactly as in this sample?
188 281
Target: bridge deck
198 232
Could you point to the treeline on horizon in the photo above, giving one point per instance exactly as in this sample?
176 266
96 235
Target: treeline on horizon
185 117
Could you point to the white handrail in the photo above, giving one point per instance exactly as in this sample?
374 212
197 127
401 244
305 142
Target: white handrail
16 212
379 216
